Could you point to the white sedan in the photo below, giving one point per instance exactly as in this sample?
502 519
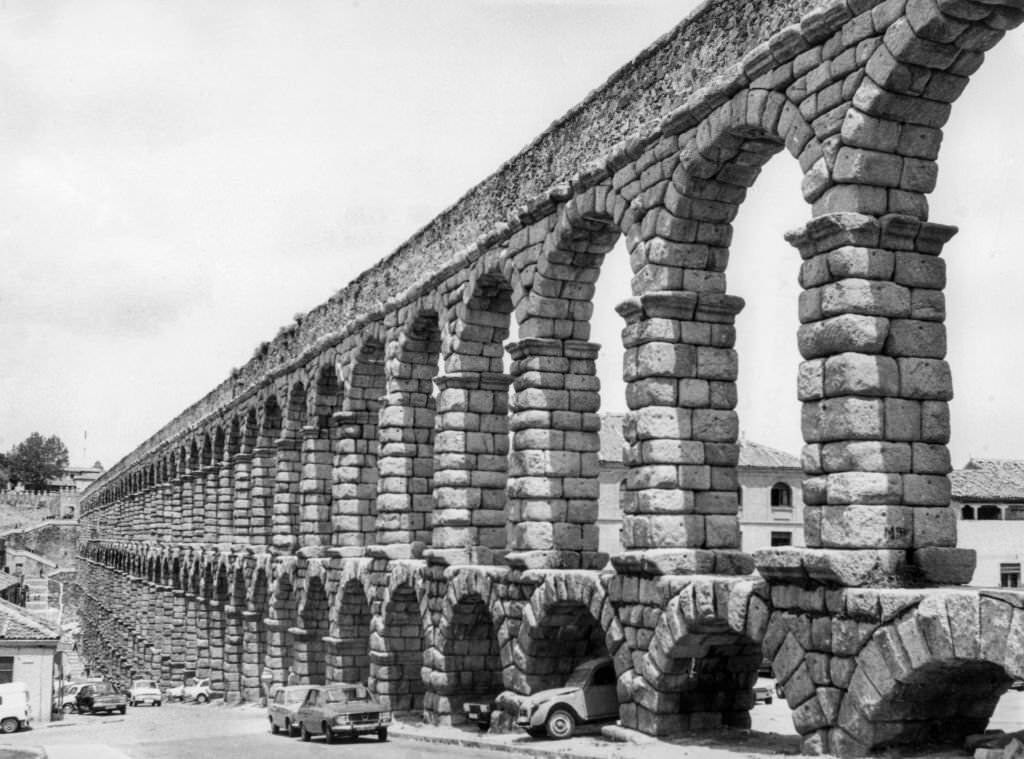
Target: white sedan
144 692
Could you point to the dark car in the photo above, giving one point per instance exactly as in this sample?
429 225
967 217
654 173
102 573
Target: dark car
342 710
101 697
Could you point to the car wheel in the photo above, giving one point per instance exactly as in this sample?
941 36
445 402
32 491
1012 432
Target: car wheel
560 724
202 698
382 733
122 709
68 708
289 728
132 704
274 729
768 700
9 725
328 735
303 732
157 703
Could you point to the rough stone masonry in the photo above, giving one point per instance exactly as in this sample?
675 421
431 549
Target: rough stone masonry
341 508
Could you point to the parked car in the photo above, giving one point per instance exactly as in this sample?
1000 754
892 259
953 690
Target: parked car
192 689
199 691
283 707
177 692
101 697
342 710
762 694
588 696
479 712
1017 685
144 692
66 697
15 707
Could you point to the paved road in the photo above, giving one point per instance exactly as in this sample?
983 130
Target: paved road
176 731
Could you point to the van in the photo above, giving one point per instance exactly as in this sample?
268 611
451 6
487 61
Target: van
15 709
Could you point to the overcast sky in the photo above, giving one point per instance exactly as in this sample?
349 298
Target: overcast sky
180 179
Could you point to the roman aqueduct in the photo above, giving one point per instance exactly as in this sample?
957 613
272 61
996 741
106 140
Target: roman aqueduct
342 508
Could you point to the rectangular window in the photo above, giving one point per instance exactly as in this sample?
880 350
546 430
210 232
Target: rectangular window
1009 575
782 539
6 669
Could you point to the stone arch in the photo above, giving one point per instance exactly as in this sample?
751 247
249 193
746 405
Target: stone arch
354 488
553 469
221 581
254 631
701 665
281 618
559 280
219 494
396 658
317 455
932 674
471 655
363 376
242 443
174 570
312 626
296 413
326 397
472 439
264 468
891 137
568 620
680 366
286 519
350 629
405 465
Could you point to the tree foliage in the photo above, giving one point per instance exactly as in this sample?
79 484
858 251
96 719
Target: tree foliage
36 459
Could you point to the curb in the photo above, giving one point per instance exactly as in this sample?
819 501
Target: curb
517 749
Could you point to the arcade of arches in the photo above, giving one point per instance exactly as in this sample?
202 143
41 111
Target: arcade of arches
382 494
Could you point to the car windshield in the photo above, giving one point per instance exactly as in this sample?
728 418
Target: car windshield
343 694
579 676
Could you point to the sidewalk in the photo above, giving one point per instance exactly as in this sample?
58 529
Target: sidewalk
727 744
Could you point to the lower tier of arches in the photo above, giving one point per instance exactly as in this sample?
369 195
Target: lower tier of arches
862 668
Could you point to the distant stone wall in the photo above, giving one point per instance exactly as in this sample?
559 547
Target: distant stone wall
56 505
57 541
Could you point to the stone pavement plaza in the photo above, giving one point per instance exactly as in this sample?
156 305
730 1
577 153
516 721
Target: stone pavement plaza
379 495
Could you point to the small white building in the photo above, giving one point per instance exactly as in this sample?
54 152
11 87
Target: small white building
988 496
28 646
770 492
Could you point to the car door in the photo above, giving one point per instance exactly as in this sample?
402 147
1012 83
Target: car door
599 695
308 712
84 697
277 711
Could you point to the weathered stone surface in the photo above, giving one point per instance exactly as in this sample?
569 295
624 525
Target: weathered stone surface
946 566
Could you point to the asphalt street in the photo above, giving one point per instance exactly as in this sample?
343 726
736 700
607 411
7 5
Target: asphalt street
176 731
